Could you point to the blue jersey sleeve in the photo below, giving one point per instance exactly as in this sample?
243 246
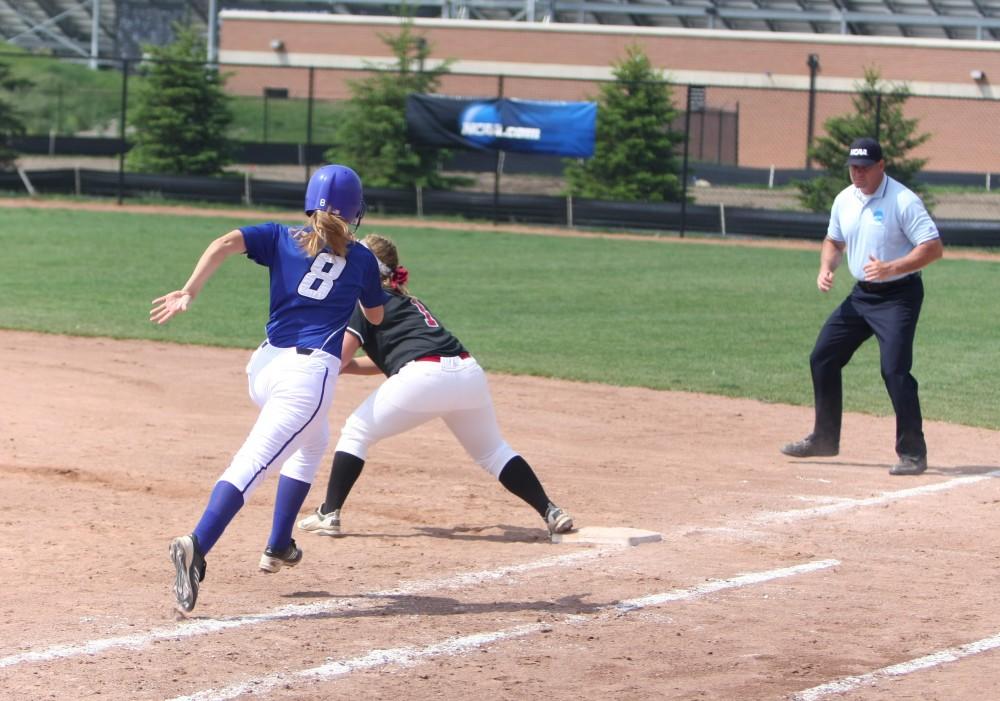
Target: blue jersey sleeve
261 241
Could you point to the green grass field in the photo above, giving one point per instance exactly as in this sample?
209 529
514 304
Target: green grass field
729 320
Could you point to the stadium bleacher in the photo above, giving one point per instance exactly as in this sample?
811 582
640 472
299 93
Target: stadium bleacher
66 27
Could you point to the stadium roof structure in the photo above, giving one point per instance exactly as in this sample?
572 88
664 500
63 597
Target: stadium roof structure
119 28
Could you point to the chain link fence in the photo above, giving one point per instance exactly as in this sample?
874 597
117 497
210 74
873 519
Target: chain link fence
746 146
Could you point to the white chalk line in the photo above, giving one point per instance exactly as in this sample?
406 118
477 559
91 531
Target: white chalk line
190 629
846 503
883 498
194 628
409 656
951 654
821 499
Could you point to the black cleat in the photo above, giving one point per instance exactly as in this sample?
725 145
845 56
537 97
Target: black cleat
909 465
809 447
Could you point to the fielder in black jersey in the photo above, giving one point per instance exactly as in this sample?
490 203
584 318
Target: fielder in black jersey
409 332
430 374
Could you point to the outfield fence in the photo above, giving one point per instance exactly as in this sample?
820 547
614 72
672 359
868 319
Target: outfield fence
288 114
654 218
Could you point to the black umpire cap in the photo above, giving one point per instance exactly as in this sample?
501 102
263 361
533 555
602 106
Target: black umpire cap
864 152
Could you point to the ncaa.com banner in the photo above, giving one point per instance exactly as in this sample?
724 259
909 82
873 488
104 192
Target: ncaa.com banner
502 124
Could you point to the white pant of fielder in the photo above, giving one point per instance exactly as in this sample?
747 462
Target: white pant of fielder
454 389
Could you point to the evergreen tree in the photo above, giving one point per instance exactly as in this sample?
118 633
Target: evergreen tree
371 137
10 123
182 112
635 156
878 111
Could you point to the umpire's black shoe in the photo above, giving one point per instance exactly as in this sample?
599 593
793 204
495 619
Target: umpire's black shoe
190 566
909 465
810 447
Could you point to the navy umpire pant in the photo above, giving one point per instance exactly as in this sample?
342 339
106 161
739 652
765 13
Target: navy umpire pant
889 311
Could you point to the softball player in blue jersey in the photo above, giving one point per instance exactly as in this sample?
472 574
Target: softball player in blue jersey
430 374
318 274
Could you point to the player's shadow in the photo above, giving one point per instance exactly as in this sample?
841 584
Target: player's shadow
507 534
386 605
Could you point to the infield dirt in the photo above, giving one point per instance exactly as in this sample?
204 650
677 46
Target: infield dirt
109 448
445 586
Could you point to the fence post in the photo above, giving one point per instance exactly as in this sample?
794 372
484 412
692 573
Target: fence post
722 217
701 134
499 162
27 183
420 201
76 180
95 33
121 131
736 144
212 48
684 169
247 198
309 118
878 115
569 211
813 63
718 145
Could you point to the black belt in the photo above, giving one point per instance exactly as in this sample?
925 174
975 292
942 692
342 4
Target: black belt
299 350
886 286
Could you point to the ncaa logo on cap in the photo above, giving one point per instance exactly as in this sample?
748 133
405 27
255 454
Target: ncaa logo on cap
864 152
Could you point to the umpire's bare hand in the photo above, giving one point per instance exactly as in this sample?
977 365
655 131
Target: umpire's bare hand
824 281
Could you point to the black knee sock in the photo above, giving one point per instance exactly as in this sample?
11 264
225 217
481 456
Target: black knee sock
520 480
345 471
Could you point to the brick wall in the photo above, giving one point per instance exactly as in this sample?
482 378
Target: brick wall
764 74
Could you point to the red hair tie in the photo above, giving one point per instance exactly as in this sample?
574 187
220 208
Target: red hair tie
399 276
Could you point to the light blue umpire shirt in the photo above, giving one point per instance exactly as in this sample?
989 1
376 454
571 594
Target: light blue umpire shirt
887 224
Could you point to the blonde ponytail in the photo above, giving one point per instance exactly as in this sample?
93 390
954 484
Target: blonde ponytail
328 230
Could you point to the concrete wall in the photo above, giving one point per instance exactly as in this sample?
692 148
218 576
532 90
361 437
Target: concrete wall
764 75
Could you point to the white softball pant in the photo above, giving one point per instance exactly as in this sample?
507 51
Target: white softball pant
294 393
454 389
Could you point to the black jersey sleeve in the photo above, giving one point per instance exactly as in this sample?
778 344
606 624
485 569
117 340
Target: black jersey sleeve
358 326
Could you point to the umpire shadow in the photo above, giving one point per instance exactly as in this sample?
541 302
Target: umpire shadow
842 463
956 471
383 605
960 470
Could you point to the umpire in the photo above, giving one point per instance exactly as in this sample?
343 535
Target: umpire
888 237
